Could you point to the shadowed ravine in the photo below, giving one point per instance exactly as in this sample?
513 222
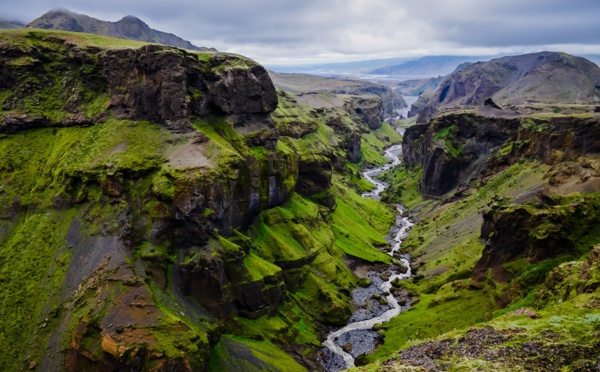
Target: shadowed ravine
358 337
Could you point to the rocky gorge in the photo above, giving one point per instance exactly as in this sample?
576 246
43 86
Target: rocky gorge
167 210
170 210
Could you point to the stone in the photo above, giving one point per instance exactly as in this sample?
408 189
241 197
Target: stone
347 347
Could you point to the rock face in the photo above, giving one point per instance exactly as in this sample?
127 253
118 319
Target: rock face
150 203
161 84
571 279
460 148
129 27
544 77
420 104
367 110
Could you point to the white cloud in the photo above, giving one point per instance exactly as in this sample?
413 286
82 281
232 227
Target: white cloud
274 31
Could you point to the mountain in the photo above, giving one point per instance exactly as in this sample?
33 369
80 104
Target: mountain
129 27
304 83
339 67
536 78
5 23
428 66
165 212
592 57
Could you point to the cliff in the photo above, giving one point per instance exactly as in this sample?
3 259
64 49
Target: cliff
456 150
162 211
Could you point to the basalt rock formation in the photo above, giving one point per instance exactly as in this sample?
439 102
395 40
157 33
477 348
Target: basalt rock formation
162 84
155 200
533 232
457 149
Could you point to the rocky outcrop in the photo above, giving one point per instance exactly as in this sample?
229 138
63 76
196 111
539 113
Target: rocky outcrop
367 110
420 104
219 281
453 149
353 148
153 82
457 149
533 232
570 280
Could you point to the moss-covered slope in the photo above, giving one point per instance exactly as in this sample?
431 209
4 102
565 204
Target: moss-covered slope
154 199
519 207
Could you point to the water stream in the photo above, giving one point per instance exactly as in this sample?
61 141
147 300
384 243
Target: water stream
358 333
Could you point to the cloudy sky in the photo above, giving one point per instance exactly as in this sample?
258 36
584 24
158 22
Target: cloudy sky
308 31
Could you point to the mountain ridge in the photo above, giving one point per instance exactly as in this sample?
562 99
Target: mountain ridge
535 78
129 27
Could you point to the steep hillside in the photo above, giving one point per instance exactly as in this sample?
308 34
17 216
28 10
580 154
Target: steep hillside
303 83
537 78
506 244
163 209
129 27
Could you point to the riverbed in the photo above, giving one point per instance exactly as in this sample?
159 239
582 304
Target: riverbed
379 302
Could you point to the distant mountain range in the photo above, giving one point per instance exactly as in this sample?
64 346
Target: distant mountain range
402 68
429 65
340 67
129 27
10 23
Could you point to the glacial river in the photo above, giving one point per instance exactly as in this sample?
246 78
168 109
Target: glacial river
358 333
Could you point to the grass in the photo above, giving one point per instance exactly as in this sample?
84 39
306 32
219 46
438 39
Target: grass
236 353
34 260
403 186
33 37
447 241
429 319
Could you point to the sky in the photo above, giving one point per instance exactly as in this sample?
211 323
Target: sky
295 32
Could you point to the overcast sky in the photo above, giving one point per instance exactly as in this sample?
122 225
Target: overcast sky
307 31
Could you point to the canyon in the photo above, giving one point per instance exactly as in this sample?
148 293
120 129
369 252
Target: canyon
168 209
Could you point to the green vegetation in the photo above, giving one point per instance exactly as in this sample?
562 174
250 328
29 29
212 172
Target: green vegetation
215 205
404 186
33 37
448 135
239 354
360 224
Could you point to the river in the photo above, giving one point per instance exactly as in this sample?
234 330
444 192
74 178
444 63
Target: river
359 337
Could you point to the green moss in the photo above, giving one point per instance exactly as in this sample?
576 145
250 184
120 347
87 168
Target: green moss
360 224
260 268
356 178
537 125
427 319
27 37
240 354
403 186
34 262
181 325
